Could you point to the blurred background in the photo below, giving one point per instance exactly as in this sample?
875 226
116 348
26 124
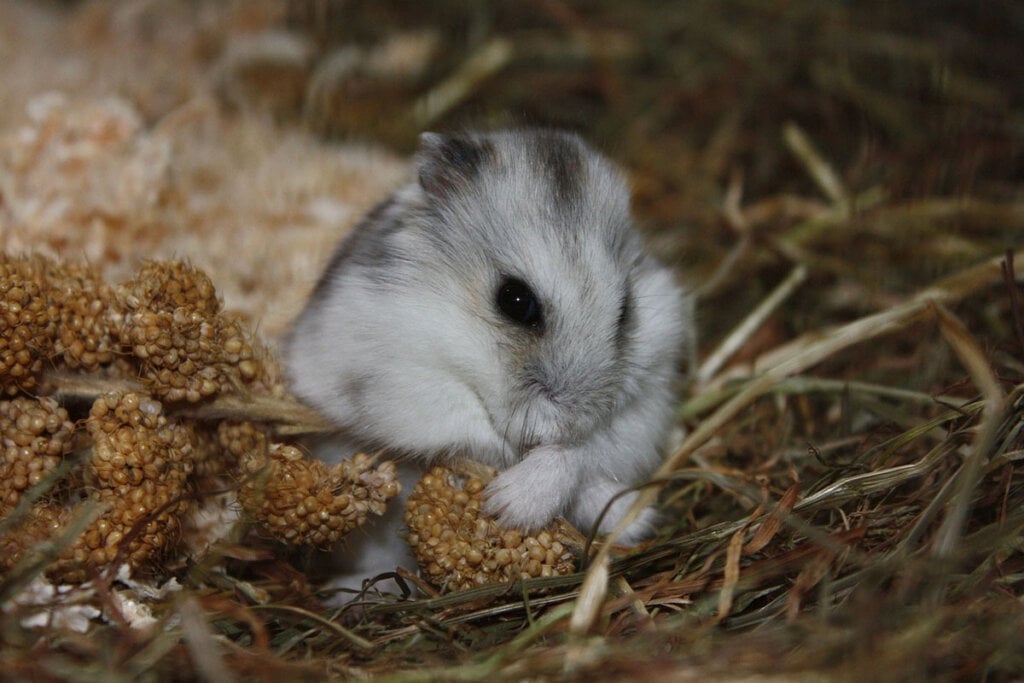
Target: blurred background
914 110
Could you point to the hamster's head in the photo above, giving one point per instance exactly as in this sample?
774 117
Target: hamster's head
534 231
511 269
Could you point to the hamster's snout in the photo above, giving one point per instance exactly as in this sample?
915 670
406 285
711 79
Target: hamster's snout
561 411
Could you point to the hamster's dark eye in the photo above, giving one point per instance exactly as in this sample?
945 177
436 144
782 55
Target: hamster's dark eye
518 303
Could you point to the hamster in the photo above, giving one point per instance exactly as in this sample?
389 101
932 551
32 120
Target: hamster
501 306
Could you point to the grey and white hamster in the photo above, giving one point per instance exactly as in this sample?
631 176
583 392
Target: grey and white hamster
501 306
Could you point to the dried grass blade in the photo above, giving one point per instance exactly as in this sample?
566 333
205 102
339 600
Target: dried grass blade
732 574
809 577
489 59
592 594
820 170
201 642
771 525
739 336
320 621
860 485
818 345
1016 300
529 635
973 359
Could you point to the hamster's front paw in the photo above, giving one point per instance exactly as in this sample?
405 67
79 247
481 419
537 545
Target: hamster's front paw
531 494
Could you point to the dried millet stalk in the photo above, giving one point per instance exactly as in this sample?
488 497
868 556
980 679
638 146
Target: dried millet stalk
140 469
88 317
35 435
166 327
53 314
457 546
28 322
133 441
221 447
305 502
169 285
42 522
186 347
138 472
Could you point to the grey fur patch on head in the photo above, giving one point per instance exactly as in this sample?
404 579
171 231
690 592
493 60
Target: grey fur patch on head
449 163
561 160
627 320
535 180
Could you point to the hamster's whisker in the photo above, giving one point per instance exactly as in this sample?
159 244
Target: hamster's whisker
510 424
528 435
524 427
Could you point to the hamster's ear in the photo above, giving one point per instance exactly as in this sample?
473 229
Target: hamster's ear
448 163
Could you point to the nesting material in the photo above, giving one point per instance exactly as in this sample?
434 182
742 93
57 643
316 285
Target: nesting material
457 546
305 502
158 172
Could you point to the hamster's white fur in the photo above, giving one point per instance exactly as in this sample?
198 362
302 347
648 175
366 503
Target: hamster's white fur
407 344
